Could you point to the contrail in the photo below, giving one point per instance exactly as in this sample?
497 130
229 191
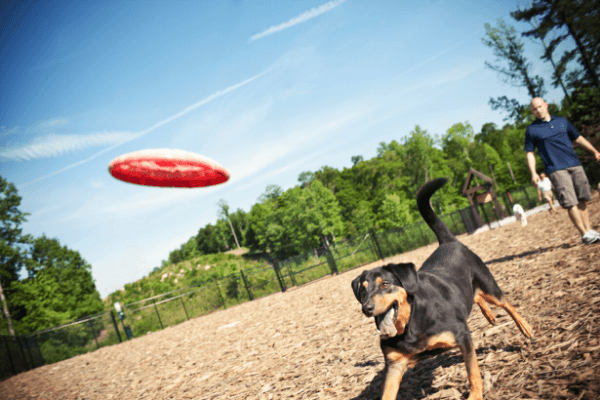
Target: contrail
155 126
313 12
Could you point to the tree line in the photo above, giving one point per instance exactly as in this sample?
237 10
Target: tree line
379 193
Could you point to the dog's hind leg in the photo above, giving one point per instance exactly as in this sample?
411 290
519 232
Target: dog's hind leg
485 309
468 351
488 290
501 302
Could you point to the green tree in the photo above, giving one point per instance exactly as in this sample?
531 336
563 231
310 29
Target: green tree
223 213
271 192
363 218
457 144
507 47
395 212
356 159
59 287
421 159
296 220
579 20
13 243
239 220
305 178
208 240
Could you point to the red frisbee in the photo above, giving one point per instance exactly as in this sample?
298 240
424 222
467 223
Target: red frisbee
168 168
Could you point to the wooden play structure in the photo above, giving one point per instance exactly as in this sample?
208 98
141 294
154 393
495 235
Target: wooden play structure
480 194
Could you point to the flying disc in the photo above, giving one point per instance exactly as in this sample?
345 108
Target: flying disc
168 168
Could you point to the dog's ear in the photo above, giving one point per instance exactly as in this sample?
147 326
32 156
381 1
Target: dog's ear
406 274
356 287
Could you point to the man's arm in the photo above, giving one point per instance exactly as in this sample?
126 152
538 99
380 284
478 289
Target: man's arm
584 144
531 165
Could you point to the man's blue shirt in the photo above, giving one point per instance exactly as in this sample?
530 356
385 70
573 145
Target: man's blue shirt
554 141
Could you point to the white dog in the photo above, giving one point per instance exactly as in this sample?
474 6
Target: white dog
520 214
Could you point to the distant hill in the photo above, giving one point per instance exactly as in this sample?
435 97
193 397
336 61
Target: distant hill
183 274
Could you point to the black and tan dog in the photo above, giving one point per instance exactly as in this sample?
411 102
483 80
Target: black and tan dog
426 310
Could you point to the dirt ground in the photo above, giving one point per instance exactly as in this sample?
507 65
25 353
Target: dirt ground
313 342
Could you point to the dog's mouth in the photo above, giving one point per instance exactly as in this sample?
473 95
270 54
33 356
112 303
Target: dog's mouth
386 322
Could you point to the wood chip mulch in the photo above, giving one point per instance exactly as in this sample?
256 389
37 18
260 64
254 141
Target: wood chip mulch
313 342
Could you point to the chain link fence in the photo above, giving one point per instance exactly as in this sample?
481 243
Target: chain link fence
18 354
172 308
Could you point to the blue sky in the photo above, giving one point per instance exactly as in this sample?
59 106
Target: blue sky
268 89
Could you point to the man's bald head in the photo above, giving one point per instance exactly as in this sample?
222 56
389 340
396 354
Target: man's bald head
539 109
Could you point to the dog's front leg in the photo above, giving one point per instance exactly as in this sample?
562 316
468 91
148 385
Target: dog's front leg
396 365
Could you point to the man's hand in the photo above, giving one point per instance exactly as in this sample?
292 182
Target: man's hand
597 155
535 178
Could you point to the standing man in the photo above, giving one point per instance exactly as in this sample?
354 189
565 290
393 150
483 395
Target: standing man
553 136
544 187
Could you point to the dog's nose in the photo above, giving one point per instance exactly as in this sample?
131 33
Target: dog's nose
368 309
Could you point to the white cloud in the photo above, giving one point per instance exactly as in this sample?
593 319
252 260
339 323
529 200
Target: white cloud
144 132
103 205
305 16
294 139
55 145
53 122
8 131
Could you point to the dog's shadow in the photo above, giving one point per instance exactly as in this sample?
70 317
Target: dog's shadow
531 252
417 382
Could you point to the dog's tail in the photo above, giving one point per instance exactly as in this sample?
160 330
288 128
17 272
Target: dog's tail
423 203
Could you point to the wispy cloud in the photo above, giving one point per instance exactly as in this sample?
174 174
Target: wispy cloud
295 140
305 16
153 127
103 206
53 122
54 145
4 131
430 59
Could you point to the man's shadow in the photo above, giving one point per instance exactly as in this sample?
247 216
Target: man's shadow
417 382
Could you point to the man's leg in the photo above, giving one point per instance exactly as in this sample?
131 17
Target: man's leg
549 196
582 206
577 218
572 188
582 188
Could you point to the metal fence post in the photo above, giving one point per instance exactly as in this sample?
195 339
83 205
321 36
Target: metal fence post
184 310
33 363
527 197
507 202
112 315
25 361
246 285
12 364
487 220
157 314
221 296
331 260
290 274
275 265
374 236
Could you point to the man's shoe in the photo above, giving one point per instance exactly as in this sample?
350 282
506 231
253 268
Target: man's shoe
590 238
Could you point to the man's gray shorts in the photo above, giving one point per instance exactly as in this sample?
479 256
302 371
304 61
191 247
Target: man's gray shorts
571 186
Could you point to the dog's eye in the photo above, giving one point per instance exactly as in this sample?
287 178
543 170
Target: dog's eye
385 284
